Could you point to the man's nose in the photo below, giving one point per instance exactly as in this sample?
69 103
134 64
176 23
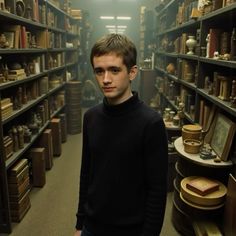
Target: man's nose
107 77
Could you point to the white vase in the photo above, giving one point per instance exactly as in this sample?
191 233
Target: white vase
191 44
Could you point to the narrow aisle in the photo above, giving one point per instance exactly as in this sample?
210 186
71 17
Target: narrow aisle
53 207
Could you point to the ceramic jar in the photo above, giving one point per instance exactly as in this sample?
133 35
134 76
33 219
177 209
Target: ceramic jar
191 44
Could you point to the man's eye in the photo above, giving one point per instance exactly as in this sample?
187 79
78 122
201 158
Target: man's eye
115 70
98 72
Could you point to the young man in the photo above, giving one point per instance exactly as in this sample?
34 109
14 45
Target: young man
124 159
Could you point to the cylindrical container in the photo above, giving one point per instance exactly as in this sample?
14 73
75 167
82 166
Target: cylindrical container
192 146
191 132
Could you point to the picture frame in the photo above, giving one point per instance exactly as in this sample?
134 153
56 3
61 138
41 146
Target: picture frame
10 38
222 136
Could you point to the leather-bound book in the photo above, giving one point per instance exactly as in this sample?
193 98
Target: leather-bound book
37 156
55 125
224 43
202 186
45 141
214 42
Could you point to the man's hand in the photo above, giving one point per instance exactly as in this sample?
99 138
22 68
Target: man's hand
77 233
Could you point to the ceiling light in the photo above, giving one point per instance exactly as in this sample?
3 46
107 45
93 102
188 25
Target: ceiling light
123 18
110 26
107 17
121 26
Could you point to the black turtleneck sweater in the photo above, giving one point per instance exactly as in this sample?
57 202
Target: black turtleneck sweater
124 170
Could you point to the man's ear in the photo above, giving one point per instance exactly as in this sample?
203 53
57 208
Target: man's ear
133 72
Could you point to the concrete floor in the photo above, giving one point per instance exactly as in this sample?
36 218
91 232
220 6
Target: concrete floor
54 206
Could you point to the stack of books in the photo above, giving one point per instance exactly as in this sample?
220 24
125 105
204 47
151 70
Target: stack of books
6 108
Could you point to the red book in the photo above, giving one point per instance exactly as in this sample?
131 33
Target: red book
214 41
202 186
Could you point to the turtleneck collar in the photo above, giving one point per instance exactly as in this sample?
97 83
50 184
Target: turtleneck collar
123 107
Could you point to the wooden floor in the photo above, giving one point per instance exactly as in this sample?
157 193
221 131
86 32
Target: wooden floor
54 206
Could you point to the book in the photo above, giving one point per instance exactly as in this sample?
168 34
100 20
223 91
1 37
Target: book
203 185
214 41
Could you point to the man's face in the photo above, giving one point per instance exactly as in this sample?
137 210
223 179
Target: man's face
113 77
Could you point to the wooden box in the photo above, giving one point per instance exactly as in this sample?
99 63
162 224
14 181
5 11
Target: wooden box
45 141
37 156
55 125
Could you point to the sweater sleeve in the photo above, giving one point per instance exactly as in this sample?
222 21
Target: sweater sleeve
84 178
156 160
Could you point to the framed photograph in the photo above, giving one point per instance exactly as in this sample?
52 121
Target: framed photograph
10 38
222 136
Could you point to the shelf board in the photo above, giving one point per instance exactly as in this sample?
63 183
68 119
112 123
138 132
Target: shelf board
195 158
229 64
21 81
13 18
187 84
16 155
24 108
23 50
219 12
55 69
224 105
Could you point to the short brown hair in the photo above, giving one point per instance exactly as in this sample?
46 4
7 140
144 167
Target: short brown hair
119 44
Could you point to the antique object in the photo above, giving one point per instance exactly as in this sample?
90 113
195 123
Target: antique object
222 136
206 152
216 55
20 7
192 146
191 132
170 68
20 133
3 41
209 201
224 88
2 5
191 44
27 134
29 12
33 125
181 113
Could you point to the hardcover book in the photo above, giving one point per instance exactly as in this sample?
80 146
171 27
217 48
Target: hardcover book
202 186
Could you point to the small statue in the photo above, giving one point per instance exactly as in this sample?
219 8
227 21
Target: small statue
3 41
216 55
